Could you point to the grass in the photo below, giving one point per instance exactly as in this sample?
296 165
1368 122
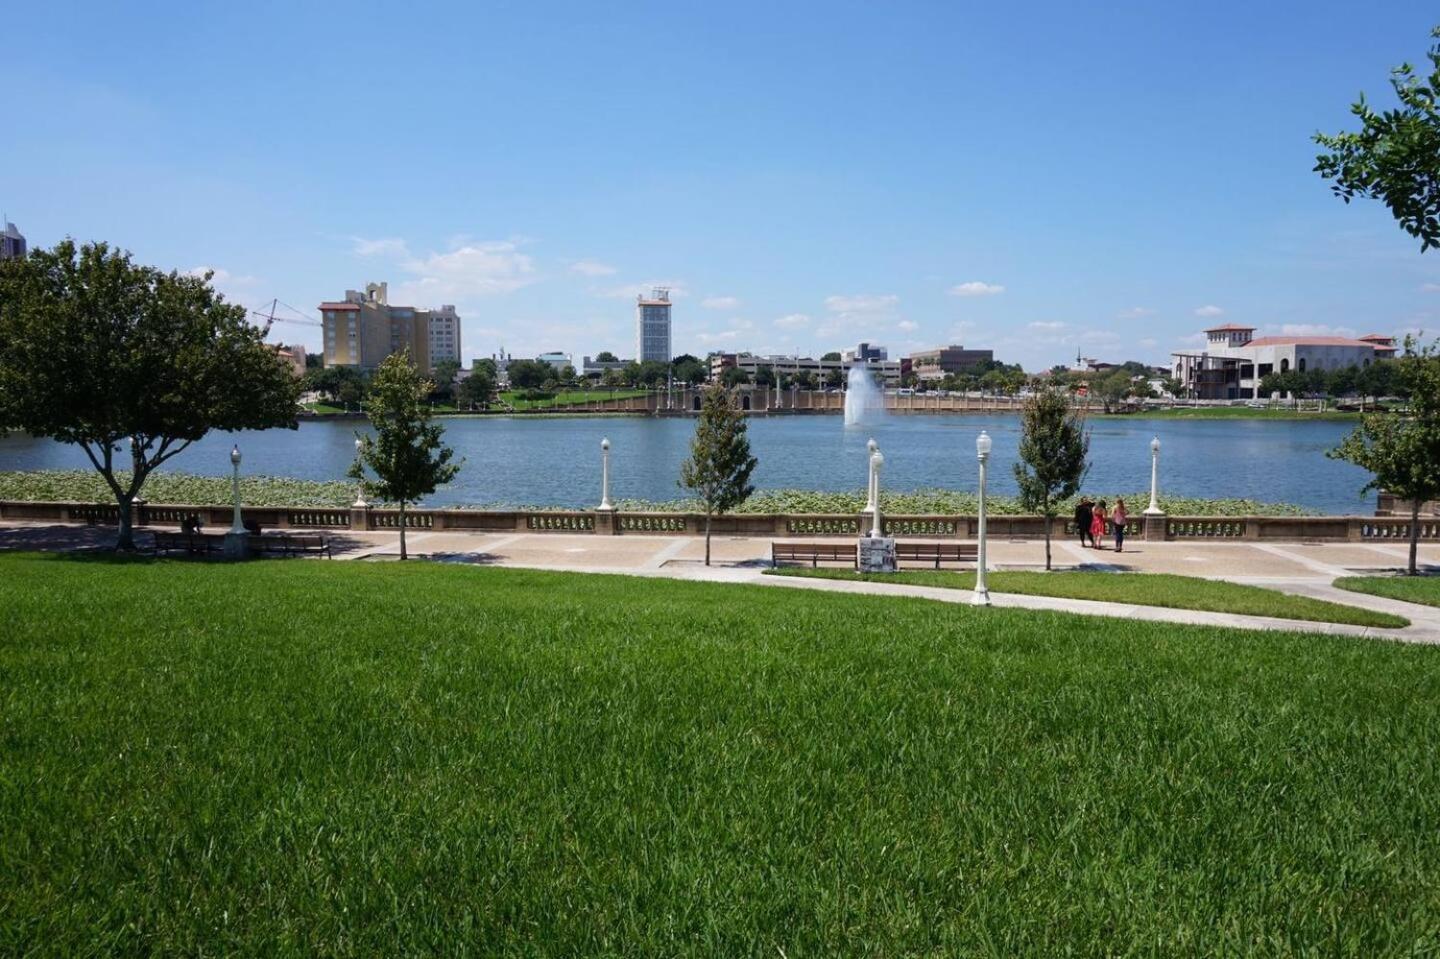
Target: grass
1242 413
567 398
1142 589
1424 590
345 758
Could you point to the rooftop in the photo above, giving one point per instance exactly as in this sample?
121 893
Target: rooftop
1308 341
1231 328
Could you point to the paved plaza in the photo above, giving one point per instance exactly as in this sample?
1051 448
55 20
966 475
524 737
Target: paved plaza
1304 569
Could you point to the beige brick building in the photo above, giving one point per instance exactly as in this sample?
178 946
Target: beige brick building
364 328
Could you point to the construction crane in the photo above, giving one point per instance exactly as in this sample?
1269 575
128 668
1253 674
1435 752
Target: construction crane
270 318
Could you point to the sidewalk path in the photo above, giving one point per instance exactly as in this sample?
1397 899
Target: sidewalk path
1302 569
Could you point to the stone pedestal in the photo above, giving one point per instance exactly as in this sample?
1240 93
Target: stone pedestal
1154 527
237 546
605 524
877 554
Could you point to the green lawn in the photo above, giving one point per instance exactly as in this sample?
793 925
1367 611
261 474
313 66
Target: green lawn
567 398
1412 589
299 757
1143 589
1242 413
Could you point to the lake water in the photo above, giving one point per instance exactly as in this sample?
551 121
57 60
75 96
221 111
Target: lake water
556 462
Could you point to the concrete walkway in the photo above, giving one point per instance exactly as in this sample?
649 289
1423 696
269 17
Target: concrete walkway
1301 569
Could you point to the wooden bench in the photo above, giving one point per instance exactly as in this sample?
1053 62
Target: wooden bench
194 544
291 544
937 553
814 553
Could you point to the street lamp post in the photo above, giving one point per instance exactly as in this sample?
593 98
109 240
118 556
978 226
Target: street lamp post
605 474
238 525
1154 508
982 591
877 460
870 496
359 483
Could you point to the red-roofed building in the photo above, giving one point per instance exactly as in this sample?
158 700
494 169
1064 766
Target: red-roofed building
1234 360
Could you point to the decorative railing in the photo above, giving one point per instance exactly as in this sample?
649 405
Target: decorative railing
1429 529
560 522
652 524
389 520
1206 529
920 527
822 527
97 515
324 518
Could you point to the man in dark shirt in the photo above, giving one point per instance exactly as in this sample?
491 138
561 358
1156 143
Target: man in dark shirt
1084 513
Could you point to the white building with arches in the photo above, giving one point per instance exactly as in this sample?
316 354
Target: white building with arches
1234 360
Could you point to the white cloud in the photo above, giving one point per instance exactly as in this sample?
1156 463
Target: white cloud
475 269
385 246
1149 342
976 288
1053 326
221 276
1209 311
793 321
1311 329
907 326
1099 336
591 268
1430 287
1135 313
631 290
720 302
1193 340
724 336
862 303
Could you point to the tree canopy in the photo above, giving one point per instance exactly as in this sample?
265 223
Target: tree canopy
1395 155
718 470
1053 455
99 351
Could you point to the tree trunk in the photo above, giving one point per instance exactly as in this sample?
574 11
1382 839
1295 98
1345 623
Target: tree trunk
707 537
125 542
1414 535
1048 522
402 530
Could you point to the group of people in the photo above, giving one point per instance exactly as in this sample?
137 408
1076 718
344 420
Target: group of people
1090 520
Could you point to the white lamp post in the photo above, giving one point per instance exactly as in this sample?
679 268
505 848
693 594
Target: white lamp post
238 526
877 460
870 497
360 483
1154 508
982 591
605 474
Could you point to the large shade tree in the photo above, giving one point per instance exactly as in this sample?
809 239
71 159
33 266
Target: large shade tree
130 363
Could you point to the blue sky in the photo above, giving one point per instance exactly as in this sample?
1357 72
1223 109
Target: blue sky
1042 179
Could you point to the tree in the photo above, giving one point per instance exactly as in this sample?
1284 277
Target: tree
606 357
765 376
477 388
1403 453
1173 386
1395 156
734 376
689 370
528 374
96 350
718 470
834 379
445 373
831 357
1053 452
406 453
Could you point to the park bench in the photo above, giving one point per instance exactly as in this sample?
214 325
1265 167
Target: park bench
937 553
814 553
291 544
195 544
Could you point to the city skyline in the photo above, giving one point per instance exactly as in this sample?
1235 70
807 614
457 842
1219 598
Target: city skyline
1106 185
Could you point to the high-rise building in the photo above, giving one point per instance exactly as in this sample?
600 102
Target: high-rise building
865 353
12 242
362 329
444 334
652 326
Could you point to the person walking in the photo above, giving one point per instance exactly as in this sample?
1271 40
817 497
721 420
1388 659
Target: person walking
1084 514
1097 526
1118 519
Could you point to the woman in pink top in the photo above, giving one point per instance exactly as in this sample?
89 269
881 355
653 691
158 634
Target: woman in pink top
1117 521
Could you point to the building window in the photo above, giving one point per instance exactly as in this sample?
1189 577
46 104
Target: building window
1285 366
1302 364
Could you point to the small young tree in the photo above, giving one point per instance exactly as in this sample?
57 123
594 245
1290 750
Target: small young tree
1403 453
1053 453
130 364
406 453
718 470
